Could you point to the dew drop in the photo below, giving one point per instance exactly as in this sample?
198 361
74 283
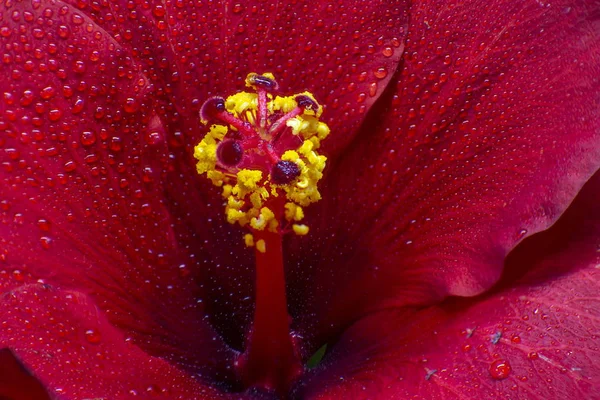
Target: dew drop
70 166
47 92
77 106
159 11
116 144
54 114
373 89
18 275
154 138
18 219
184 271
93 336
46 242
387 51
77 19
87 138
522 233
43 224
79 67
500 369
131 105
380 72
533 355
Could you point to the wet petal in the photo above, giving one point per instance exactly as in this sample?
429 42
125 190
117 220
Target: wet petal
84 160
74 351
535 337
344 53
490 132
129 80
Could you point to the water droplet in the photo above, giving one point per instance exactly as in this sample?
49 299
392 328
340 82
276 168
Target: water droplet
43 224
79 67
154 138
184 271
500 369
116 144
380 72
77 19
533 355
373 89
70 166
93 336
522 233
159 11
47 92
54 115
18 275
88 138
18 219
387 51
46 242
131 105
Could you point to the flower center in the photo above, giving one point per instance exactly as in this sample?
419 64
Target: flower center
261 150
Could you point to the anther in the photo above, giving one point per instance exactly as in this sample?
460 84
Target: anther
230 152
211 108
306 103
283 172
263 82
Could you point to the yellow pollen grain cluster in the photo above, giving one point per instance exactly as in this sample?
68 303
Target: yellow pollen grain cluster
304 190
249 194
206 154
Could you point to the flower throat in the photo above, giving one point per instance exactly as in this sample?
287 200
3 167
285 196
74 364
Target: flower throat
261 150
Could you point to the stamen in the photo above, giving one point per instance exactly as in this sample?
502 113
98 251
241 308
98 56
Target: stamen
276 137
262 84
307 103
230 153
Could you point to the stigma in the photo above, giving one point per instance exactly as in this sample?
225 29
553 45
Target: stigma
261 149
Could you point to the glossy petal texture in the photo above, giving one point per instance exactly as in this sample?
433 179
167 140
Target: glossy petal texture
344 53
535 337
84 162
489 134
77 354
98 118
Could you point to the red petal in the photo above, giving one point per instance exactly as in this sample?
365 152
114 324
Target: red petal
101 107
84 163
536 338
344 53
490 133
77 354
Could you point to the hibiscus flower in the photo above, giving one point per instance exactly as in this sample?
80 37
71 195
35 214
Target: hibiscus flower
458 130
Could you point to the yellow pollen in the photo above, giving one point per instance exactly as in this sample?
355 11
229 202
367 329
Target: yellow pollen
261 246
252 198
249 240
300 229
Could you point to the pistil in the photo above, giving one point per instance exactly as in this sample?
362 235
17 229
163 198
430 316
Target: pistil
270 360
261 150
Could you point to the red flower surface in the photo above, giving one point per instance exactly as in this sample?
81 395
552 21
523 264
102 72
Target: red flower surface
459 128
